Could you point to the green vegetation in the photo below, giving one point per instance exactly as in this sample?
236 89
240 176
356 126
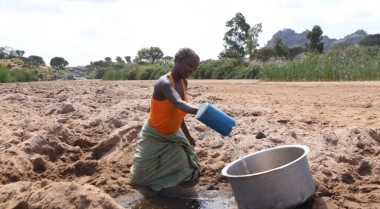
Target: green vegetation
35 60
371 40
58 63
281 49
227 68
352 64
355 58
240 39
315 44
137 72
149 55
9 76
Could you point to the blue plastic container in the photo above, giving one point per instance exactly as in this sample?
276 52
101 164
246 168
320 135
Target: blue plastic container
215 119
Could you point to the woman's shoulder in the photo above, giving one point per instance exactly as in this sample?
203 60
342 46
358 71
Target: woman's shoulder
164 79
162 83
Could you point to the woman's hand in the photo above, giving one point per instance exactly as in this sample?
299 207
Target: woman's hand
191 141
187 134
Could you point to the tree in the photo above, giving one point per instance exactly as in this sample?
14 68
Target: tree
294 51
168 58
119 59
315 43
253 41
149 55
235 39
371 40
19 53
2 53
240 39
127 59
281 49
58 63
6 52
36 60
108 59
100 64
264 54
229 53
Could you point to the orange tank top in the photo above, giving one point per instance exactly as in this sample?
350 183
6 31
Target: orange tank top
164 116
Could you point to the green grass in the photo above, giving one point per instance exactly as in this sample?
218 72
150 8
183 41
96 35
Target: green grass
10 76
352 64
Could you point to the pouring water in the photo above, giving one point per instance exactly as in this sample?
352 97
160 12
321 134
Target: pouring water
241 159
211 133
220 122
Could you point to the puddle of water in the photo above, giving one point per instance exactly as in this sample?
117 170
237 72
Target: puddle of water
210 199
223 201
167 203
161 202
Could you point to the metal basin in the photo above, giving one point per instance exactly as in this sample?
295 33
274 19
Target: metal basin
278 178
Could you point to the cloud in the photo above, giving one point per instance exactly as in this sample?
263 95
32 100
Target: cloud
30 6
92 1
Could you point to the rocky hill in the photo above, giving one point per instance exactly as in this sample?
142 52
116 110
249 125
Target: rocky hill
292 39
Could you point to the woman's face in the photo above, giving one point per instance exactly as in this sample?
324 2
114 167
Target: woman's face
188 66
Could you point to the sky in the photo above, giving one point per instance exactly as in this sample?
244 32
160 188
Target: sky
84 31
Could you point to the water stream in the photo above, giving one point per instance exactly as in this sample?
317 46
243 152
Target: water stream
241 159
209 133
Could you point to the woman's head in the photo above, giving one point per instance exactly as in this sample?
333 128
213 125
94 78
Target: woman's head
184 53
186 61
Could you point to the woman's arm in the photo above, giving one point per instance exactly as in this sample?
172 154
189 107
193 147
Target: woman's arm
172 95
185 130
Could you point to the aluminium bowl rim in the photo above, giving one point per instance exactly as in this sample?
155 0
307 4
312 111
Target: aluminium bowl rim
304 147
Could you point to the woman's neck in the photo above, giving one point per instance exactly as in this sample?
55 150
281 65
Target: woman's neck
175 75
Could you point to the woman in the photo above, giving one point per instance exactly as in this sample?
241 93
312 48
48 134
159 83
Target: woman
165 156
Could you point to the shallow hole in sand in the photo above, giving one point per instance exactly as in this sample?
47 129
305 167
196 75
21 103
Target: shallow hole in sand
162 202
209 199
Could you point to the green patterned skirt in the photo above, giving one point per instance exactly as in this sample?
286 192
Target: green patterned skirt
163 161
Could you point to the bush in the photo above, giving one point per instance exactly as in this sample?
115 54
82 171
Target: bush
371 40
137 72
9 76
5 75
226 68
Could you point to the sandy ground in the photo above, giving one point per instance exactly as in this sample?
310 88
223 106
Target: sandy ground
70 144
